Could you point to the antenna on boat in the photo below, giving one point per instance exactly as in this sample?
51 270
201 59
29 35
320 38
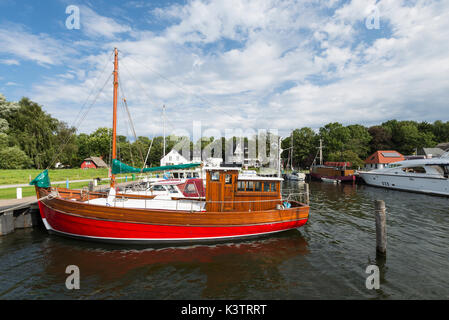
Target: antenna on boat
114 114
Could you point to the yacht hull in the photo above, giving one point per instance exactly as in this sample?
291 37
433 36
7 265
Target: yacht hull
428 185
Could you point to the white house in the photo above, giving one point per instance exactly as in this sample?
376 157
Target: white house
173 158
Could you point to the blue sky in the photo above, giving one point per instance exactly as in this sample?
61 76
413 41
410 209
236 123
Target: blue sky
231 64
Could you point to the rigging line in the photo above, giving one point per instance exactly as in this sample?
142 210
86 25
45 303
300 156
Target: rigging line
182 88
138 83
127 124
92 89
131 123
61 148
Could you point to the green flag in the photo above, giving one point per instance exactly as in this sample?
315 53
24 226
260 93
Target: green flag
42 180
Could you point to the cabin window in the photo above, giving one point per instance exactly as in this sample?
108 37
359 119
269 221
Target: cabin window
241 186
190 188
273 187
215 176
228 179
172 189
266 187
158 188
414 170
257 186
250 186
196 175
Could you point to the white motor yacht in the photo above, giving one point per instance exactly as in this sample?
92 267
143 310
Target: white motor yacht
422 175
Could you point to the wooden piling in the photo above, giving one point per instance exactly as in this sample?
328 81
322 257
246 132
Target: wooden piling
306 187
381 233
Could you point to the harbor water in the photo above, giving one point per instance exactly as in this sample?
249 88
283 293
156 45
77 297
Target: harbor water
326 259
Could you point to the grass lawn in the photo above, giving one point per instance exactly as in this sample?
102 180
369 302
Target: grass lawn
23 176
10 193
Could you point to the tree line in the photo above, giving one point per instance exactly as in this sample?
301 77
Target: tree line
32 138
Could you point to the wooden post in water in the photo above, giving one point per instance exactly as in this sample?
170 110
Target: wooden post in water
381 233
306 187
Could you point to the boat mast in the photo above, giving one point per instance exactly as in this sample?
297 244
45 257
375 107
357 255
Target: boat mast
291 152
114 114
163 118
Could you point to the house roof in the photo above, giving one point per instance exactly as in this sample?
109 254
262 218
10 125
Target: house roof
384 156
432 151
174 152
443 145
97 161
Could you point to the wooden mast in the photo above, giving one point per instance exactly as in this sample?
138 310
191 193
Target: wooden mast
114 114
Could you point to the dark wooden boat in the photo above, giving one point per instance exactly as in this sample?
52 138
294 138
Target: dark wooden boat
333 170
233 208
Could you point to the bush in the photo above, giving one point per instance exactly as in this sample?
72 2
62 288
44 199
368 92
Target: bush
13 158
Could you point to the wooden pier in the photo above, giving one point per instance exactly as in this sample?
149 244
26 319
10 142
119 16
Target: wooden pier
18 214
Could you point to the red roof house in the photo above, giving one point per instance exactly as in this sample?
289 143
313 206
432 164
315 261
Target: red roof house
93 163
379 159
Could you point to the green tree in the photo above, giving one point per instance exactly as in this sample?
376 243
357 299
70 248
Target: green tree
13 158
346 156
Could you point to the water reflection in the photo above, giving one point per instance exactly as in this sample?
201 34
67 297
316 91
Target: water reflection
224 268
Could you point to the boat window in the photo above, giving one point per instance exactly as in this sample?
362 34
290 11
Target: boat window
414 170
175 175
190 188
266 187
172 189
438 169
196 175
250 186
189 175
215 176
158 188
273 187
241 186
228 179
258 186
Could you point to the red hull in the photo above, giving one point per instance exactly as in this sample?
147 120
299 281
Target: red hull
114 231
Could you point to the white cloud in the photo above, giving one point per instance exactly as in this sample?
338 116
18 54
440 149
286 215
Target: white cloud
40 48
266 64
10 62
95 25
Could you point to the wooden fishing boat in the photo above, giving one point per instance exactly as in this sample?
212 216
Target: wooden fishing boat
234 207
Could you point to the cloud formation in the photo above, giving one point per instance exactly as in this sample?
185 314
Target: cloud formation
252 64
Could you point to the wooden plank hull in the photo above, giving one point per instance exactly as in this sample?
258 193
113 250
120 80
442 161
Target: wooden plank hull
114 224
